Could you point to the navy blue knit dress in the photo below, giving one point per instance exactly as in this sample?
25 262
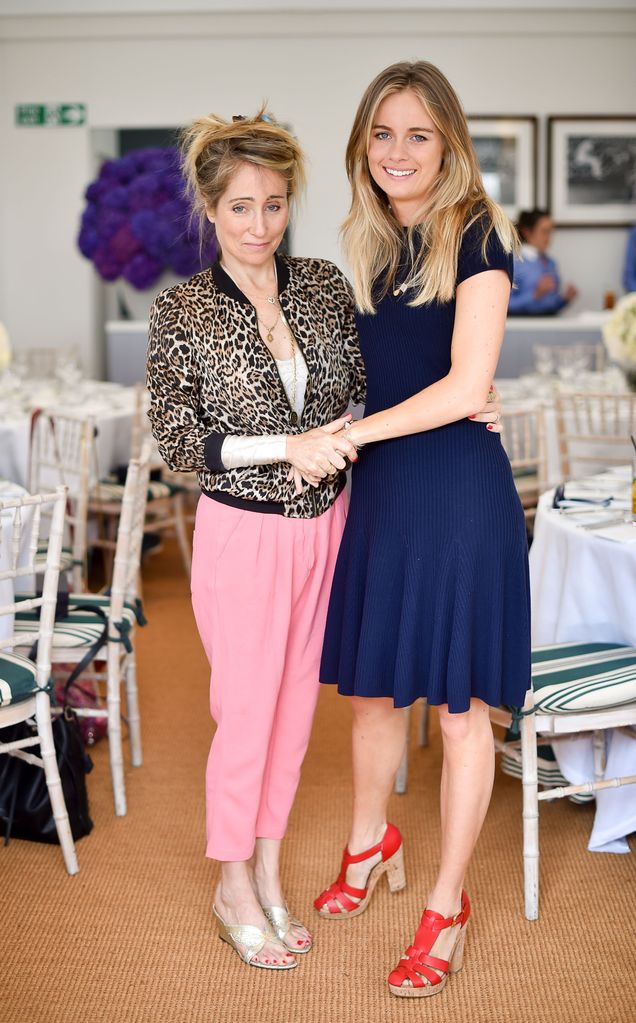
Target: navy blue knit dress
430 594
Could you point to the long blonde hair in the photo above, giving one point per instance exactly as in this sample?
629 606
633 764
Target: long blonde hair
212 149
372 236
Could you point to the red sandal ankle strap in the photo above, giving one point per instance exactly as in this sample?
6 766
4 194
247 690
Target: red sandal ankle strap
388 845
433 921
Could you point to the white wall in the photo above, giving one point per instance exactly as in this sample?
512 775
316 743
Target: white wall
141 70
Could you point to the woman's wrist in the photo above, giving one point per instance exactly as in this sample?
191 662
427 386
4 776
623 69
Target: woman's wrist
352 433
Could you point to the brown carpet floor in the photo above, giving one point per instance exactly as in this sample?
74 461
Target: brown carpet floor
131 938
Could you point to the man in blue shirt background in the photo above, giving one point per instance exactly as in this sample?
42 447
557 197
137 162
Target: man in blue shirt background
629 273
537 285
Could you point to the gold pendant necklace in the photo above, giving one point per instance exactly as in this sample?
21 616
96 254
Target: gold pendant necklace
269 330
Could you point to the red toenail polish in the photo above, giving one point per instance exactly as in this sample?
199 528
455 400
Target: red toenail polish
301 943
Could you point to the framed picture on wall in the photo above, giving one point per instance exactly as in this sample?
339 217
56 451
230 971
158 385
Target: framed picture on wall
592 171
506 148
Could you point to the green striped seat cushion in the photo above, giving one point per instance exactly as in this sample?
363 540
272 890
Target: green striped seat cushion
66 559
110 490
548 773
570 678
17 678
78 628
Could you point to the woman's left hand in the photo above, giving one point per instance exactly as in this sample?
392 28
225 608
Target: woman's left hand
491 412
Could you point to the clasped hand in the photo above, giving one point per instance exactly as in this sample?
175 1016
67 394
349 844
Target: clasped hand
319 453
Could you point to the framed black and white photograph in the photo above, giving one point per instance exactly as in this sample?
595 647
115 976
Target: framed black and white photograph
506 148
592 171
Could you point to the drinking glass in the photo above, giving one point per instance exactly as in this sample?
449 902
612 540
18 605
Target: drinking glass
566 364
68 370
543 360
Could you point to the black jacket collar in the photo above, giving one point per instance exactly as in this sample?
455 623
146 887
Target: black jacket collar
225 283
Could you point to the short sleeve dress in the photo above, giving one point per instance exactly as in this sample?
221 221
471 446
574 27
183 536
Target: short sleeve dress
431 592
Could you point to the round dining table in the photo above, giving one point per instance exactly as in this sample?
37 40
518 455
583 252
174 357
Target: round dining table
583 586
111 406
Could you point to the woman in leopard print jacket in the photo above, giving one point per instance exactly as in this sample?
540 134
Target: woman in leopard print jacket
251 367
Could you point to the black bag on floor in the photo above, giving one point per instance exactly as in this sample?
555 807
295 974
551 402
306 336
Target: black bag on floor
25 807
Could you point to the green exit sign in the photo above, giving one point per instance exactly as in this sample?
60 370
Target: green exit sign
35 114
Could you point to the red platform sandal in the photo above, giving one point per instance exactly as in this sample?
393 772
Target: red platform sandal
336 902
416 975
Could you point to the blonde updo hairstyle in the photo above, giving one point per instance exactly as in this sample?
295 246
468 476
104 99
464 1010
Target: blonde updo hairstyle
371 234
213 149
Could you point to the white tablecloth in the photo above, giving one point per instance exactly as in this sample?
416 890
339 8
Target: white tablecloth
7 518
111 406
583 588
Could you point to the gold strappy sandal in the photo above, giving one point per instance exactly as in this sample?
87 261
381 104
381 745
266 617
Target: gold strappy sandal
282 922
251 939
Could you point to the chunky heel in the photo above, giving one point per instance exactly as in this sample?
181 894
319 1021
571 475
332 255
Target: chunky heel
457 959
337 901
395 873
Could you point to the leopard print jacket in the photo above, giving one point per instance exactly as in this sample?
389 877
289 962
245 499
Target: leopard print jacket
210 374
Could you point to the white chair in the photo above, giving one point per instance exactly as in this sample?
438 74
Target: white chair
165 510
81 629
523 437
401 778
24 686
62 453
577 688
594 431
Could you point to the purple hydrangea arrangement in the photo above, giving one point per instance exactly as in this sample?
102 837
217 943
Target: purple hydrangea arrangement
137 220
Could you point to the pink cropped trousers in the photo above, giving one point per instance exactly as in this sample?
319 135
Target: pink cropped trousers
260 590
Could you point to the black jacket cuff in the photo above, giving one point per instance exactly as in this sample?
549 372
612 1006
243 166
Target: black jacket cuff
212 452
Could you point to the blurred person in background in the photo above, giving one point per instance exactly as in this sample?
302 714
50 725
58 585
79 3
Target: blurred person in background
629 271
537 285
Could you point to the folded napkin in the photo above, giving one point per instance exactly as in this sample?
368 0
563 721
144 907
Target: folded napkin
623 532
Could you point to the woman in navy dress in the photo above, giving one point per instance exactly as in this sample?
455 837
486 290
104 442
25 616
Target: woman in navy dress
430 595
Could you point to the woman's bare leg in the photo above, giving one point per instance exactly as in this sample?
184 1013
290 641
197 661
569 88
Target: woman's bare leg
466 788
378 737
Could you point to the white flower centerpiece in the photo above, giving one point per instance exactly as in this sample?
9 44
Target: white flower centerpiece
619 335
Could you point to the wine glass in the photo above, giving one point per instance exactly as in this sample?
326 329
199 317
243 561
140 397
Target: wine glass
68 370
543 360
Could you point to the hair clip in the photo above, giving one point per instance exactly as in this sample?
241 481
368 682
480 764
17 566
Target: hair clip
238 117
